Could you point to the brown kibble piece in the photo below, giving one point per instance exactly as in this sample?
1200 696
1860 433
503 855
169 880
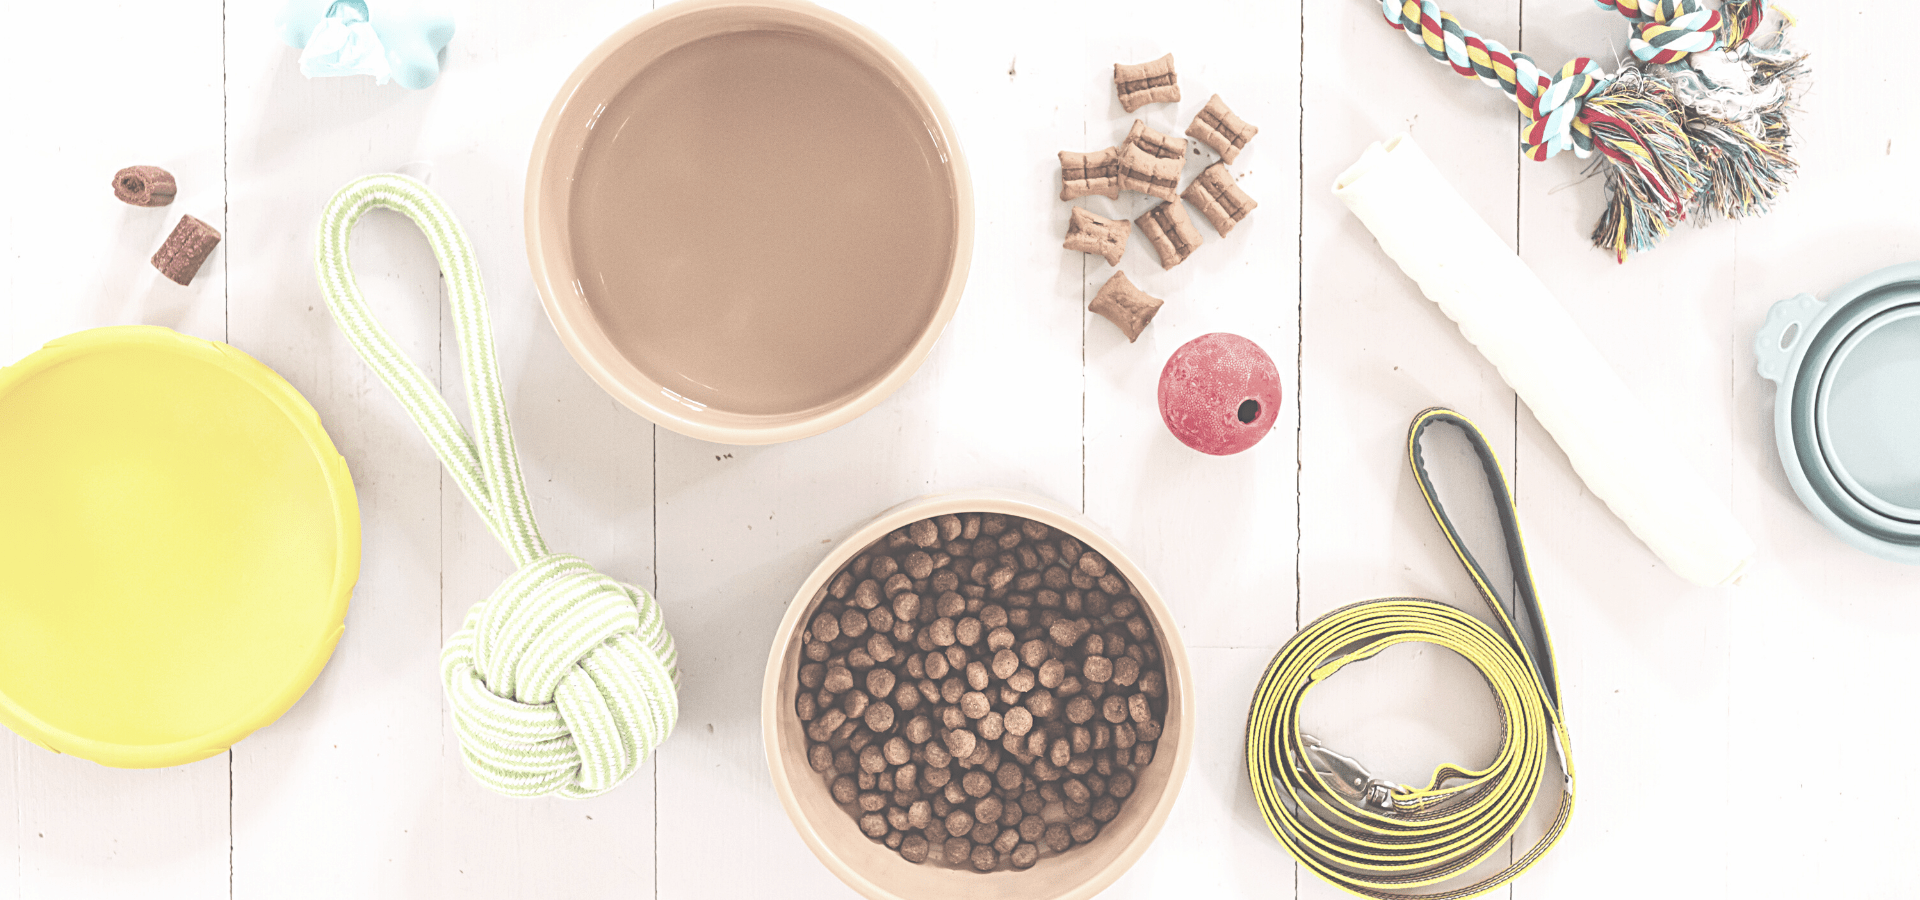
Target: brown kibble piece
1148 82
179 258
144 186
1091 233
1154 142
1024 856
960 743
1082 174
1018 720
1068 632
820 757
1129 308
1079 710
1005 663
1114 708
1140 710
1058 837
838 679
958 850
880 682
1144 173
1098 669
873 825
1126 671
959 823
1051 673
914 848
973 705
1218 197
1083 830
985 859
880 718
1171 233
1217 127
924 533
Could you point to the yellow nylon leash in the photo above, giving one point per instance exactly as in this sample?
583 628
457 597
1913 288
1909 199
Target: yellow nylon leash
1380 839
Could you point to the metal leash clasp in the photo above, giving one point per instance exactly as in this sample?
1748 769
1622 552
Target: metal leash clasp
1346 775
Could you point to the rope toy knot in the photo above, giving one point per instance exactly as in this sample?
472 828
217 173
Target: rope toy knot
1668 30
563 680
1554 107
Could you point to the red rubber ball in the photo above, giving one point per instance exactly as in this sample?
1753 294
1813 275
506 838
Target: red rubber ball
1220 393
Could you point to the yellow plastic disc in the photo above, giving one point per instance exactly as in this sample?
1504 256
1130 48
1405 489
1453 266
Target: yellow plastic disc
178 541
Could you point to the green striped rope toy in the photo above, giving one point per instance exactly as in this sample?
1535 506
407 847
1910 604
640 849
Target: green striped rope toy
564 680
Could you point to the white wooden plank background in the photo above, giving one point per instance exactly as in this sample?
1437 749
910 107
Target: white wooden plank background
1744 741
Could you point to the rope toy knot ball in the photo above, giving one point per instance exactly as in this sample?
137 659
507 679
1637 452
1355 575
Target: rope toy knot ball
562 680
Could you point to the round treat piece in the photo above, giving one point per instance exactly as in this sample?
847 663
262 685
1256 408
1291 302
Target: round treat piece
1220 393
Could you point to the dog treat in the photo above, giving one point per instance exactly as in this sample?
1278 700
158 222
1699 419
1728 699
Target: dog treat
1154 142
1090 173
1129 308
980 764
144 186
185 249
1090 233
1169 230
1150 82
1218 197
1145 173
1217 127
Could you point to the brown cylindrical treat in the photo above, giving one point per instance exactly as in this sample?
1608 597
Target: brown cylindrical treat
144 186
180 257
1083 830
1144 173
1098 669
1079 710
1114 709
1082 174
1217 127
958 850
1171 233
1148 82
1218 197
977 784
1090 233
1154 142
1127 307
988 809
1058 837
1019 720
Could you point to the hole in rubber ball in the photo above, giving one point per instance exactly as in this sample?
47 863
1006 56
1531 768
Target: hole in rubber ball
1249 411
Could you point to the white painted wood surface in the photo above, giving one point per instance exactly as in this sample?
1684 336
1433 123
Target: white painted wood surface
1745 741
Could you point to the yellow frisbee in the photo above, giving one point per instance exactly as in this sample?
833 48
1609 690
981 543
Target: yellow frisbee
178 540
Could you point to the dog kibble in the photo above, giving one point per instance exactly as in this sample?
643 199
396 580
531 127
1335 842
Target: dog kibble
1008 680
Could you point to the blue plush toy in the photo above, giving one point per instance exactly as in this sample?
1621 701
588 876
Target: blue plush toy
397 39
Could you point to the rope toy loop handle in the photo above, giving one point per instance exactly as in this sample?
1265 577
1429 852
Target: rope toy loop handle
563 680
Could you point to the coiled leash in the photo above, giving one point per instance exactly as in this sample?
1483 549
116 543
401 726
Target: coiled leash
563 680
1374 837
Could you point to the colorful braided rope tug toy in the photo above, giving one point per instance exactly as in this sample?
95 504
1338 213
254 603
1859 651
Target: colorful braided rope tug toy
1698 129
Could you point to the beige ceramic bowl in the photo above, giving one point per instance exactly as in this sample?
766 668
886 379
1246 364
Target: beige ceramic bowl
880 873
748 220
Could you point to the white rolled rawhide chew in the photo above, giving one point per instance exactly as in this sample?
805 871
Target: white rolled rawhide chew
1625 457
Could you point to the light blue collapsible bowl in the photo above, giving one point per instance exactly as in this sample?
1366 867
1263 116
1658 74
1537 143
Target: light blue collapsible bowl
1796 348
1867 414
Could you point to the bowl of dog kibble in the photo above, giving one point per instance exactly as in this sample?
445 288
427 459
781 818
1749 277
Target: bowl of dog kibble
978 695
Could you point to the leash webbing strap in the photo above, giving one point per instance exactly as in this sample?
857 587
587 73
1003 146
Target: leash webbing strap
563 680
1380 839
